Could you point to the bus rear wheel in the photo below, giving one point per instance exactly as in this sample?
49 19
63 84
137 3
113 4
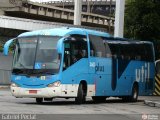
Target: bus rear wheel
81 96
39 100
134 96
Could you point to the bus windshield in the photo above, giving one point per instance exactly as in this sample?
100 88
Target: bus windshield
36 55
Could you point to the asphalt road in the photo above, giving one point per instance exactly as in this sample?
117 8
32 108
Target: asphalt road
66 109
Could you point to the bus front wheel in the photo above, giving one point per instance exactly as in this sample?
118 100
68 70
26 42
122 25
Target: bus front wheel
134 96
39 100
81 97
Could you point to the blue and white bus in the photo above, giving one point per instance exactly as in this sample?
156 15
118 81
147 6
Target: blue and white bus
79 63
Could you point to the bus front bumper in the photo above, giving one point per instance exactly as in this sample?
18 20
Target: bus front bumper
48 92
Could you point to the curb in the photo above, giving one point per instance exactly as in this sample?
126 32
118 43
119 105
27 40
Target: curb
152 103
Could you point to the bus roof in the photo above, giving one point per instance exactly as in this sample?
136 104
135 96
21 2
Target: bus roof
64 31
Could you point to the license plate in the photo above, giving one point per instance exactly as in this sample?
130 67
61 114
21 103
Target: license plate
33 91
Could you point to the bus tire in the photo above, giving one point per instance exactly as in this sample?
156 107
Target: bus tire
134 96
39 100
81 97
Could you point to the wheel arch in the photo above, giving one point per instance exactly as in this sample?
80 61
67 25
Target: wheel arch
84 83
136 84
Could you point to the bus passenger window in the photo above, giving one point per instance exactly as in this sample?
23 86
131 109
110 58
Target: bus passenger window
108 55
97 46
92 52
113 50
78 55
66 59
67 55
75 50
99 54
114 56
138 57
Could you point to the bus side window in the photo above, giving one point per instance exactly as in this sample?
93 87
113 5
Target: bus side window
75 50
114 50
157 66
97 46
92 53
107 50
79 48
148 52
67 60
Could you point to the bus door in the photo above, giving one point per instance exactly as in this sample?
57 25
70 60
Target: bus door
100 66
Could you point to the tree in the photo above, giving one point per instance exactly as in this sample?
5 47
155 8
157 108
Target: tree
142 19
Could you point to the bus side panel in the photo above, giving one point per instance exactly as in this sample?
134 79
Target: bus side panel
100 74
135 71
124 79
72 76
145 77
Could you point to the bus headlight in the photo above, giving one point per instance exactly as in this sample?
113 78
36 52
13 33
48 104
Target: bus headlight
55 84
14 85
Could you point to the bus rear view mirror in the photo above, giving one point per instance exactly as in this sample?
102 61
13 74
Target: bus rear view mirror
7 45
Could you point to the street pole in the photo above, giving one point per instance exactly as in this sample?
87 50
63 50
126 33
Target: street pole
77 12
119 18
110 13
63 4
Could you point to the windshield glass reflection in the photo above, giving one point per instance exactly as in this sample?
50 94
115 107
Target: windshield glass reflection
36 55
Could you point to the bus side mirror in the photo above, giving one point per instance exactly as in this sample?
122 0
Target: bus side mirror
6 46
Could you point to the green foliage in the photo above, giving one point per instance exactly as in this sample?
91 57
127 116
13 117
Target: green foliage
142 19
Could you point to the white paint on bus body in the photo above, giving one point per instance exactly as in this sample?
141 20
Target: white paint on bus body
143 73
64 90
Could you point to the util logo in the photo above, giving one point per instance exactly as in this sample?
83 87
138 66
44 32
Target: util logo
143 73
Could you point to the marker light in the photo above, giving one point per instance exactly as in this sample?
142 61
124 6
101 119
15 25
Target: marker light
55 84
